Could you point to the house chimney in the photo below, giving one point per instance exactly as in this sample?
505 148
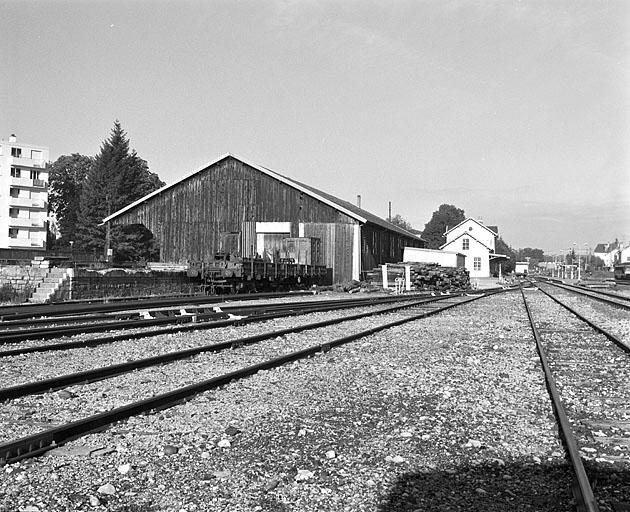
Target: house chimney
12 138
359 200
390 212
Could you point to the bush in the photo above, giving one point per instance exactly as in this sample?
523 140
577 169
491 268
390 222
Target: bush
9 294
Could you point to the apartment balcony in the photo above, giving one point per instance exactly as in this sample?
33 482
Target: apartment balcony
28 162
26 243
25 202
29 183
21 222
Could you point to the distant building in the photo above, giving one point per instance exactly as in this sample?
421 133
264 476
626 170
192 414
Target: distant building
476 241
624 254
23 195
609 253
521 267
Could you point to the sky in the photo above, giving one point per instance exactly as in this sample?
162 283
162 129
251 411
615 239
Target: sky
517 112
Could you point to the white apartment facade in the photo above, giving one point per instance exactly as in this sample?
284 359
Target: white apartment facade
23 195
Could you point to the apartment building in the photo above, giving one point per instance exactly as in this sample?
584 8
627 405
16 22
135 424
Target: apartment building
23 195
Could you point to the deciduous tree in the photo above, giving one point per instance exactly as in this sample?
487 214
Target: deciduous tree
66 178
446 215
501 247
401 222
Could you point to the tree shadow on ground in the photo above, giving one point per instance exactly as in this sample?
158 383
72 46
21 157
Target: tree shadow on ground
490 488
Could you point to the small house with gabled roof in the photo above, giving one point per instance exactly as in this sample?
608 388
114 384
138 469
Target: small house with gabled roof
477 241
609 253
235 206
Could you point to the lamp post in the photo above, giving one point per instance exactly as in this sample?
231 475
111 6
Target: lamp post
587 258
576 248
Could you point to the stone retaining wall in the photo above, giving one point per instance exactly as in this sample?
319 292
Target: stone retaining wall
18 281
89 284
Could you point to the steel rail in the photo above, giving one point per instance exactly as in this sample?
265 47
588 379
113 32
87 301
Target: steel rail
20 335
10 325
582 491
36 444
68 345
617 341
104 372
547 279
591 293
35 310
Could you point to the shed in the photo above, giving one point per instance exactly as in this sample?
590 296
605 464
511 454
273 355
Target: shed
442 258
236 206
521 267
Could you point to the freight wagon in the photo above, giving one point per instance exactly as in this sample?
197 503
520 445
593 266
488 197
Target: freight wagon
622 272
234 274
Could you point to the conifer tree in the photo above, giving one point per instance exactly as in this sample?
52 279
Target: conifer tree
117 178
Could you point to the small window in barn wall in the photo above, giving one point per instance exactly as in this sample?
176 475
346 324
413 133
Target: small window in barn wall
477 263
465 244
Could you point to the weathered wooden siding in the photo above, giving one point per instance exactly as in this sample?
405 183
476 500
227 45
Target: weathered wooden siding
336 247
380 246
192 220
217 209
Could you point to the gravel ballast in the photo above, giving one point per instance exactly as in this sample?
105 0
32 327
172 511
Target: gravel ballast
446 413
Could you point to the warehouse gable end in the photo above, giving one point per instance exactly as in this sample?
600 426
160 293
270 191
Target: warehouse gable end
232 206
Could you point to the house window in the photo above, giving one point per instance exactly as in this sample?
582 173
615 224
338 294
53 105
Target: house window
14 213
15 172
13 232
16 152
34 175
14 192
477 263
465 244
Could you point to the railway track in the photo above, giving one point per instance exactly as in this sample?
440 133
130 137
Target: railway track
612 299
587 377
71 308
197 319
611 320
187 372
118 369
13 331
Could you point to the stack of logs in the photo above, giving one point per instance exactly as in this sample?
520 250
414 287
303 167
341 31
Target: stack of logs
424 276
430 276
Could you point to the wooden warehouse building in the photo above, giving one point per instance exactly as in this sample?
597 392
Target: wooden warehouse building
235 206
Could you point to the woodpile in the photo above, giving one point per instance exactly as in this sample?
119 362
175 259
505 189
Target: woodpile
431 276
424 276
